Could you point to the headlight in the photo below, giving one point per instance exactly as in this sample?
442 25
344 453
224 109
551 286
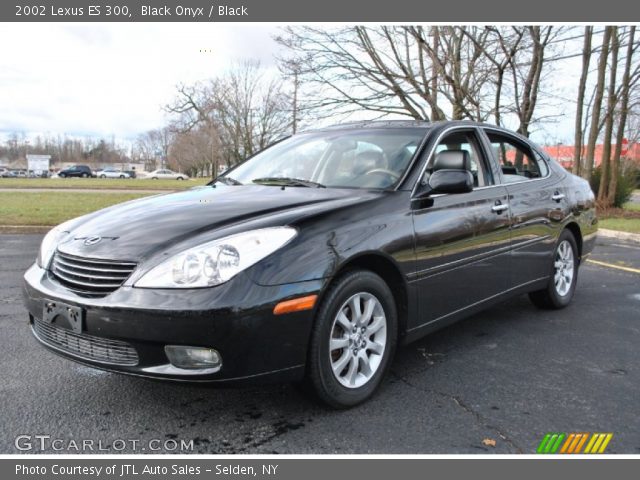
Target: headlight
50 242
218 261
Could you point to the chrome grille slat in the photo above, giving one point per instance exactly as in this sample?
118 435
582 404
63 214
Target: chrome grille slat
59 259
87 347
87 275
65 277
94 260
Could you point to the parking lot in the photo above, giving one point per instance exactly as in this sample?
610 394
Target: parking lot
510 374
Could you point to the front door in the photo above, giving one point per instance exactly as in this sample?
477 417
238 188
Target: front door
461 240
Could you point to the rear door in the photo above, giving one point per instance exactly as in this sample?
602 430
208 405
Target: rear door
461 240
537 202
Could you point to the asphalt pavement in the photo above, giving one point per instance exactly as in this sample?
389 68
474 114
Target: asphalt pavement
510 375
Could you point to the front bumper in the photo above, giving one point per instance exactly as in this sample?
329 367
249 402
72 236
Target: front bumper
235 318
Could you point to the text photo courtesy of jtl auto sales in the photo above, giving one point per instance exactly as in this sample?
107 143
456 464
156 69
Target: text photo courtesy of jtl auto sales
266 238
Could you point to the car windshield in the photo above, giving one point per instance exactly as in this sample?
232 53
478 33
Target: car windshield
365 158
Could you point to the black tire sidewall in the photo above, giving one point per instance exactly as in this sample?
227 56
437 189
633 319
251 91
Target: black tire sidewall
320 372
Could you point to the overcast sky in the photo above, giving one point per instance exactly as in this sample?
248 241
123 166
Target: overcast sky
113 79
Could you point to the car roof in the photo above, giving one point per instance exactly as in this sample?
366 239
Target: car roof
382 124
421 124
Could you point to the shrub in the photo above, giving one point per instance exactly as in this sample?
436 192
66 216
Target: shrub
626 184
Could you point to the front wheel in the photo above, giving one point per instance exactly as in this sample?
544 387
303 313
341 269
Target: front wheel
562 283
353 340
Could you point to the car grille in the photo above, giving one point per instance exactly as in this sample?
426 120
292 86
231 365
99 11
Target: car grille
90 275
87 347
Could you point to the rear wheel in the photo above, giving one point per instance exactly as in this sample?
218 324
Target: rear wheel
562 283
154 178
84 175
121 176
353 340
103 176
62 175
180 178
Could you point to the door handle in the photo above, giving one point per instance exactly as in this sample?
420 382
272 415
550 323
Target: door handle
556 197
499 208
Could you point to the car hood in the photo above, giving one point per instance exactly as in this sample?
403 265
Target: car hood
140 228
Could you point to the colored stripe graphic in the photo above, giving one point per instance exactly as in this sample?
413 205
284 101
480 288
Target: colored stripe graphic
551 442
598 443
574 442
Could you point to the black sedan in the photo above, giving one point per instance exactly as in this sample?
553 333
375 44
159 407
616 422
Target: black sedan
314 259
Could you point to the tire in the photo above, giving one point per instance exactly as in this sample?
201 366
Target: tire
154 178
121 176
344 389
103 176
84 175
559 291
62 175
179 178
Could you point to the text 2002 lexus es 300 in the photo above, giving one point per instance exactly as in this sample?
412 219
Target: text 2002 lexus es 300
315 258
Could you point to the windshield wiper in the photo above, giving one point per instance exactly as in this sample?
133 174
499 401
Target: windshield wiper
228 181
288 182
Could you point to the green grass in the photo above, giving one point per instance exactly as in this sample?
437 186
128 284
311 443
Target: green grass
634 207
631 225
52 208
101 183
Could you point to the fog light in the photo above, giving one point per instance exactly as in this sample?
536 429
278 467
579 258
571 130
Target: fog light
192 357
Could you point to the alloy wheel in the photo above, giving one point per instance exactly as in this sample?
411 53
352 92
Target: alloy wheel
358 340
564 267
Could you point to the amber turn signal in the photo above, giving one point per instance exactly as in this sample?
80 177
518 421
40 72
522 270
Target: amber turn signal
295 305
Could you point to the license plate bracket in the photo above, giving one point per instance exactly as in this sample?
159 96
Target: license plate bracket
74 316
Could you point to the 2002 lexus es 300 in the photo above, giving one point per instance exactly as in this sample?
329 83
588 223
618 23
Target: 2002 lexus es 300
315 258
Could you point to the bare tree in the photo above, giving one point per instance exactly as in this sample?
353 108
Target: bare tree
430 73
594 129
629 80
578 138
383 70
244 109
153 144
603 190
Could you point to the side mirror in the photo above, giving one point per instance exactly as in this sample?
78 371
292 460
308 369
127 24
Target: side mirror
451 181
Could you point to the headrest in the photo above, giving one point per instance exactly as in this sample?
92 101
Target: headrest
452 160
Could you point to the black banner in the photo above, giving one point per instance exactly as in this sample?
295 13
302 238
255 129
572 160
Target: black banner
615 11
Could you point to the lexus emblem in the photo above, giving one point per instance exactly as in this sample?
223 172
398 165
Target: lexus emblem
92 240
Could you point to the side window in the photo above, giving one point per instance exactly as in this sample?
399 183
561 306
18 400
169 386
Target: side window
467 141
542 164
516 160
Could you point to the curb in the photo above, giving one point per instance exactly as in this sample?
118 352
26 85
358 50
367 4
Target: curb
629 237
25 228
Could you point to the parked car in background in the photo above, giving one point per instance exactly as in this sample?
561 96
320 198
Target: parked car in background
164 174
315 258
110 172
82 171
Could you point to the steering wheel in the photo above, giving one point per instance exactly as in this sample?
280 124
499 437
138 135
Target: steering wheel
394 176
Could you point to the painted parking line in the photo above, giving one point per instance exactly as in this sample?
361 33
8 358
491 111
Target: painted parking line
611 265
